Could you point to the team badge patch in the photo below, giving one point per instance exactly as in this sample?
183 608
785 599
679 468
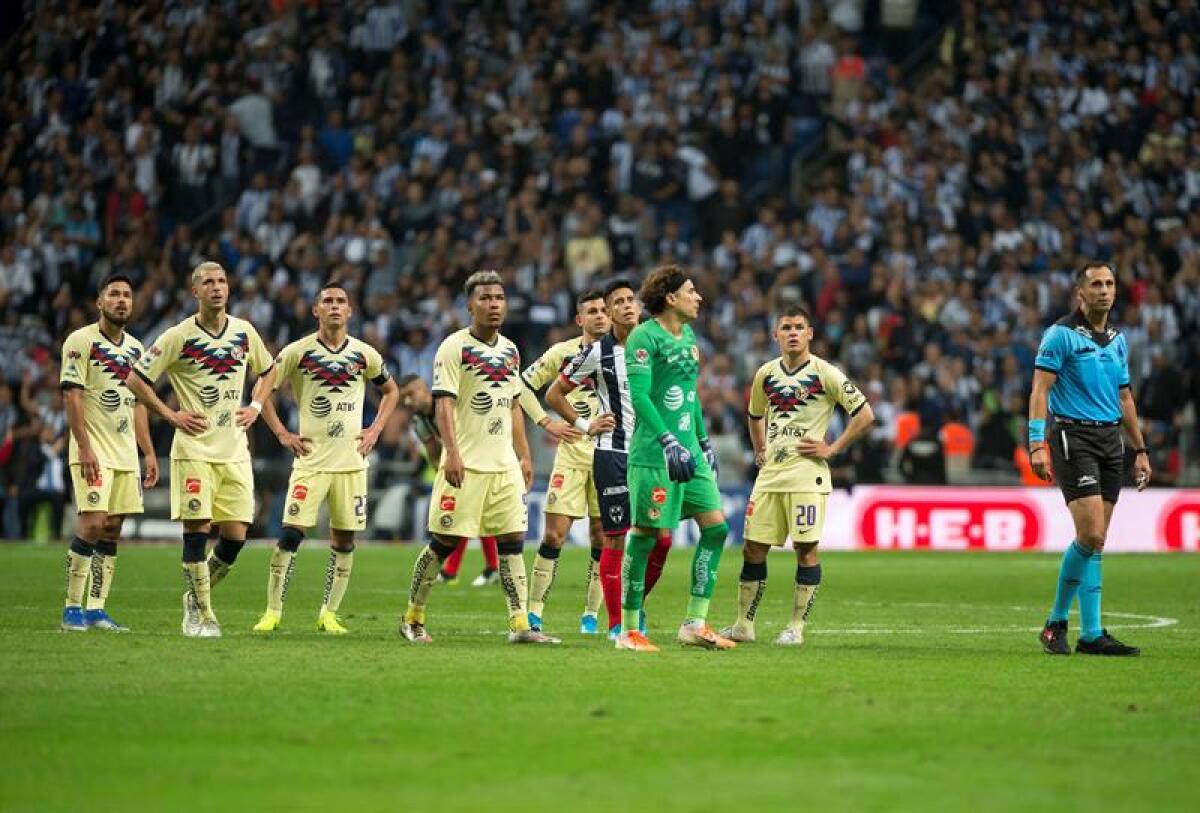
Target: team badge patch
446 521
93 497
191 485
552 499
641 355
659 495
448 503
193 505
655 513
300 493
293 509
695 353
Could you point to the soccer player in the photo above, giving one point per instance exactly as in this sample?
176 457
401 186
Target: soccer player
1080 401
416 396
205 357
794 395
571 493
328 371
107 428
603 362
672 466
485 468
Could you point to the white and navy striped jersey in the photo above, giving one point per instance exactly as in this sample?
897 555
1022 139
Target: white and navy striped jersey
603 362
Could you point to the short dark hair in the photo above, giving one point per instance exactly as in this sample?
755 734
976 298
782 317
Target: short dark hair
616 285
661 282
794 309
481 278
1081 272
407 379
332 282
588 296
116 276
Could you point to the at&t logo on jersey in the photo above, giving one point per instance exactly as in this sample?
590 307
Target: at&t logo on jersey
673 397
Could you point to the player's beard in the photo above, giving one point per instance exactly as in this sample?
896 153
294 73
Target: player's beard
112 318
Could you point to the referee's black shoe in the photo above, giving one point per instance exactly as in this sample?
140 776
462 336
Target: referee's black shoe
1105 645
1054 638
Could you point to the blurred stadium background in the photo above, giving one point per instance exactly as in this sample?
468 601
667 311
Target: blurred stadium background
923 174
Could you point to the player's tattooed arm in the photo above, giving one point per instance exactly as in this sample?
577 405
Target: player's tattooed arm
141 430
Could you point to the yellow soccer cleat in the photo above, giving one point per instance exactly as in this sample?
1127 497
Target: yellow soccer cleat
269 622
328 622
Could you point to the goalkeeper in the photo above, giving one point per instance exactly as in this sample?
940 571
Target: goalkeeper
672 468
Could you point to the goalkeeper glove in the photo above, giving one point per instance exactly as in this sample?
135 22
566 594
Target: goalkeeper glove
680 465
709 455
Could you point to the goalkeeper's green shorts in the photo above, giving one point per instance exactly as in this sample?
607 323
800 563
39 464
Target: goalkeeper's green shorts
660 503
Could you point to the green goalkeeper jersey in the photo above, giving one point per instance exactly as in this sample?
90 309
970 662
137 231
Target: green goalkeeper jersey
662 382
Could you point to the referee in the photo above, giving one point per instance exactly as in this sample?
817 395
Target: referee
1082 371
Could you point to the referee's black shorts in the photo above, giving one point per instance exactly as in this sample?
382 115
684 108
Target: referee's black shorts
1087 459
610 474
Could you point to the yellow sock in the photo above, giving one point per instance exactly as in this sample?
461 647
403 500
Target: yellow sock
516 587
424 575
78 567
595 590
196 575
544 571
104 565
283 564
337 578
802 603
750 594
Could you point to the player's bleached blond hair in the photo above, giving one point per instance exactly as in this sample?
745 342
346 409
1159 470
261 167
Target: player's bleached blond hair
481 278
207 265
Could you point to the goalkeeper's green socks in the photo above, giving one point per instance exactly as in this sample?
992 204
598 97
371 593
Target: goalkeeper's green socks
705 562
633 578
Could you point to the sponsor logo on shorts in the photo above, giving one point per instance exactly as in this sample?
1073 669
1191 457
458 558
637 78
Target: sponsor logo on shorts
616 514
96 481
293 509
659 495
749 508
191 485
446 521
1086 480
93 497
556 481
300 493
613 490
654 513
448 503
193 505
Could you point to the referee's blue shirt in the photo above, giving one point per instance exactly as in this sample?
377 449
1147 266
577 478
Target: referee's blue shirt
1091 366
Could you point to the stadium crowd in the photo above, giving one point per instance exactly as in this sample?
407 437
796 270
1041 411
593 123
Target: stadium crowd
402 145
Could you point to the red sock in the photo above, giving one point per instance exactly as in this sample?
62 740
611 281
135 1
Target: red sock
490 557
610 582
454 560
658 558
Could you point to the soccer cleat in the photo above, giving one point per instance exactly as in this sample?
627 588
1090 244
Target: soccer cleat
1105 645
269 622
738 634
588 624
1054 638
634 641
790 637
531 636
329 622
73 620
414 631
448 579
209 628
614 631
485 578
101 620
697 633
191 616
535 621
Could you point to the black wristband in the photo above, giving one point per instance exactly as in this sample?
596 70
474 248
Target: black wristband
1142 450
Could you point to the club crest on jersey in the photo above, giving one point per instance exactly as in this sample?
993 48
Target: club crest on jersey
641 355
221 362
494 369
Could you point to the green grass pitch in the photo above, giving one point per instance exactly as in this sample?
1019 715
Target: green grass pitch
921 688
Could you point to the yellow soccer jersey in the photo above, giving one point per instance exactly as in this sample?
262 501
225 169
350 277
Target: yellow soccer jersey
99 367
484 380
329 385
208 374
542 373
798 404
